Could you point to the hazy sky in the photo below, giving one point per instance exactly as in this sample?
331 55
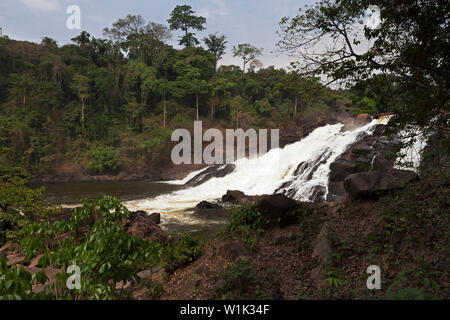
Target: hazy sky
252 21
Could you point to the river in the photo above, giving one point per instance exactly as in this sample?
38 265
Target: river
207 222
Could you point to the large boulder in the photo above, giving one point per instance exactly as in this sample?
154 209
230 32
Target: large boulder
205 205
375 183
144 226
277 209
238 197
380 163
217 171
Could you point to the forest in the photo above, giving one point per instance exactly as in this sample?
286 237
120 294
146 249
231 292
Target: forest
108 106
111 104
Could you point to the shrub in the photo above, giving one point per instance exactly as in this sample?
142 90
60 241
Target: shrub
181 253
104 159
92 240
245 216
239 280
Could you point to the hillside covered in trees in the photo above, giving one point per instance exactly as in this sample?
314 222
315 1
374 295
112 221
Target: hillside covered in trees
109 106
106 105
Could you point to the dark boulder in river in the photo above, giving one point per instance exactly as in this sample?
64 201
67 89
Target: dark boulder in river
376 183
238 197
205 205
217 171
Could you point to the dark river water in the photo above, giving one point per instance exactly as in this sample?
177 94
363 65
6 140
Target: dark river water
205 222
72 193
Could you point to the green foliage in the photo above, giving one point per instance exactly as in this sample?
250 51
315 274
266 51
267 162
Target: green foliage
246 219
183 18
16 283
365 105
247 53
245 216
181 253
333 275
400 288
239 281
92 240
104 159
406 51
263 107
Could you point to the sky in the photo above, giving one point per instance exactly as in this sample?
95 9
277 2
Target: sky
242 21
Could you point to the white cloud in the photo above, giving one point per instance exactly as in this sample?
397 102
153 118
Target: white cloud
216 8
42 5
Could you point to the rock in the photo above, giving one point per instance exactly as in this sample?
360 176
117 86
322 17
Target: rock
232 251
379 130
336 191
148 232
238 197
363 119
155 218
217 171
339 170
380 163
375 183
144 226
205 205
277 209
318 194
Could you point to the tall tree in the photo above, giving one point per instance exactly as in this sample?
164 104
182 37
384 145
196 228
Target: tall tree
247 53
216 45
82 39
299 88
138 38
190 81
165 88
183 18
80 84
142 77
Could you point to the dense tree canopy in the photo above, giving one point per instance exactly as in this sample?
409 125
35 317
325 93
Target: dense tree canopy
62 104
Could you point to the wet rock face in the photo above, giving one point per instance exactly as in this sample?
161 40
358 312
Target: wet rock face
205 205
371 153
217 171
375 183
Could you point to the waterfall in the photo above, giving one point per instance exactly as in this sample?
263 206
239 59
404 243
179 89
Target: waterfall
276 171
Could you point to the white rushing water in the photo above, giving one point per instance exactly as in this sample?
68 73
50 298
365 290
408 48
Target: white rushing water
263 175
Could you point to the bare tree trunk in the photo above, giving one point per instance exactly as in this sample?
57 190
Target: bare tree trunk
82 115
196 104
295 108
164 124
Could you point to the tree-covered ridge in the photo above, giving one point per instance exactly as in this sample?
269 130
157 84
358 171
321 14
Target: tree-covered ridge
97 98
